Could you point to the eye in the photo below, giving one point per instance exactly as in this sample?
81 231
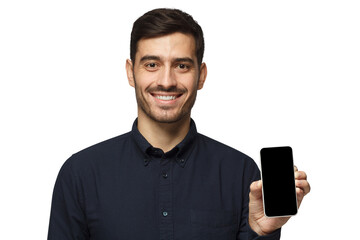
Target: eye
182 66
151 65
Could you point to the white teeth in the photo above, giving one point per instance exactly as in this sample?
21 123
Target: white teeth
165 97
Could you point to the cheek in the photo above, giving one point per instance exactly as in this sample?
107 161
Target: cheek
145 80
192 84
188 80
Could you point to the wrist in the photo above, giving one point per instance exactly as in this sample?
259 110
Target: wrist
257 229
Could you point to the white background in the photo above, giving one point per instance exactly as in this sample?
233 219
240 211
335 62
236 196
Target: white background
279 73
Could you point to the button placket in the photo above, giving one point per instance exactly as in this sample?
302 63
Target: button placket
165 199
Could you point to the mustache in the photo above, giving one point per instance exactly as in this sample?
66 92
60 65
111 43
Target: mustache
172 89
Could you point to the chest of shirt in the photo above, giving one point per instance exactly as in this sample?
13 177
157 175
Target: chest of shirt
163 198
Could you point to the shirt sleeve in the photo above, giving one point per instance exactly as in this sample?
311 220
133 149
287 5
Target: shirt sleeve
67 218
254 236
251 174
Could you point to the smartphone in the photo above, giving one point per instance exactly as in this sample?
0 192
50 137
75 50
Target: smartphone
278 181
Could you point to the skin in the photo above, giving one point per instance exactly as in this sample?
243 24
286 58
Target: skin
166 78
165 67
263 225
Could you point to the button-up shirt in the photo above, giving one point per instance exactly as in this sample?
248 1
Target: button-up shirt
126 189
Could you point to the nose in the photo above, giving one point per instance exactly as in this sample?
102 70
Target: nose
167 78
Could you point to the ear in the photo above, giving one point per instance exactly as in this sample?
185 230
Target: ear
203 74
130 72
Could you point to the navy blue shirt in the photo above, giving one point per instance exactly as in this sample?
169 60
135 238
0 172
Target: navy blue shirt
125 189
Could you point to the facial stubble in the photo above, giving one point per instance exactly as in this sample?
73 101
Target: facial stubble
145 107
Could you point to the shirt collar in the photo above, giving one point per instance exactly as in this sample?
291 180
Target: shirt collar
182 150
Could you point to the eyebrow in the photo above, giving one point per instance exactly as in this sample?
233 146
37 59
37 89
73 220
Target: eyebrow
157 58
185 59
150 57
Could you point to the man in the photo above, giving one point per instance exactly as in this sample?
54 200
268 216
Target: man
163 180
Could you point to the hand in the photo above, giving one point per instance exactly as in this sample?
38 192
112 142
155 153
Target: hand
263 225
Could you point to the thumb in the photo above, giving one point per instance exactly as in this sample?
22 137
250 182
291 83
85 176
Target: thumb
256 189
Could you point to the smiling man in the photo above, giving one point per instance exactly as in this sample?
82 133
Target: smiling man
163 179
166 76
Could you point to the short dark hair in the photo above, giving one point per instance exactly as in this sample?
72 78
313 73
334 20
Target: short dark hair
163 21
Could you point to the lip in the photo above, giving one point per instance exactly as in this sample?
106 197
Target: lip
166 95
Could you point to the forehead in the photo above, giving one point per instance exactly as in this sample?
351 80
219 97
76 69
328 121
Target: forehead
169 46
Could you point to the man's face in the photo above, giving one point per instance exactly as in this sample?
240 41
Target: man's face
166 77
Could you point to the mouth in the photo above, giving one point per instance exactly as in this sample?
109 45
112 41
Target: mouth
167 97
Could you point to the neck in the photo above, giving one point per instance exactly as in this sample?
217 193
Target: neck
163 135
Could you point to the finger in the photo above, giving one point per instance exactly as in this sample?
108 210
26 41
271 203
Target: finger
303 185
295 168
256 189
300 195
300 175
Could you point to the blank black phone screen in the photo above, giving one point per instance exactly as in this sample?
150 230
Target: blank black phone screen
279 192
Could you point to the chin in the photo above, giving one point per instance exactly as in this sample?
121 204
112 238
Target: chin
168 119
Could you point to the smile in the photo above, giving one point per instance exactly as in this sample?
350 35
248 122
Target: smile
166 98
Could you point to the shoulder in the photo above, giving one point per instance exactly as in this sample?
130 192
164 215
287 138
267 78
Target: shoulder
106 146
224 153
99 153
217 147
230 162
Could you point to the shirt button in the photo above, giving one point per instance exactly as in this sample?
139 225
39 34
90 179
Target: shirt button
165 175
182 160
165 214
